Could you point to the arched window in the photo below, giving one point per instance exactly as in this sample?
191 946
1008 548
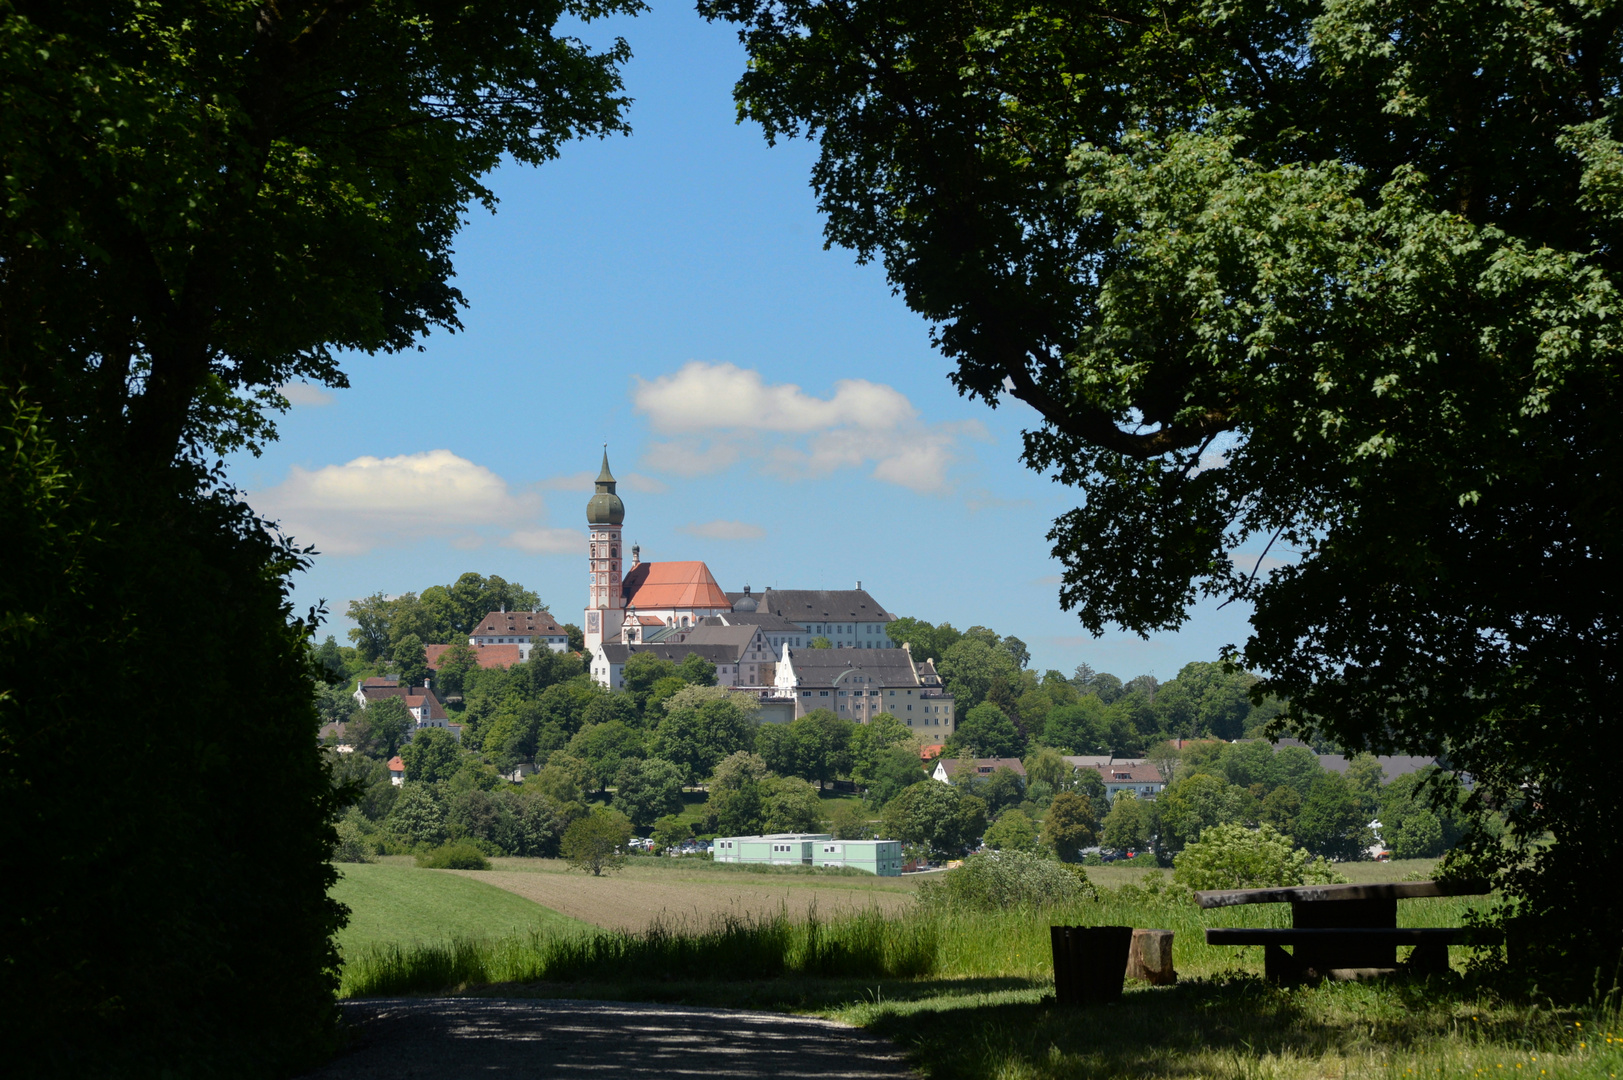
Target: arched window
614 553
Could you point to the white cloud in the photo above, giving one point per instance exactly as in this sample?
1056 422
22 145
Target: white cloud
378 502
724 530
717 414
547 541
302 393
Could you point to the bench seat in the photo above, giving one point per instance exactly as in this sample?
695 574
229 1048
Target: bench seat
1378 935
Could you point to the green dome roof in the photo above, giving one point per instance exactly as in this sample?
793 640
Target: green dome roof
605 507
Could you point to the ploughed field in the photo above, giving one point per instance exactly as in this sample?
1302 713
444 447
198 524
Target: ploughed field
690 892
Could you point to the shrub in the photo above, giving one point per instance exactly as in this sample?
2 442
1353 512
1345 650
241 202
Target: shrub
457 855
352 846
1235 857
994 880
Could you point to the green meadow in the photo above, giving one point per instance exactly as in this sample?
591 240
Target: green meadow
398 904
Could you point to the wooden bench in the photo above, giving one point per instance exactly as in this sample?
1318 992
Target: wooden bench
1344 931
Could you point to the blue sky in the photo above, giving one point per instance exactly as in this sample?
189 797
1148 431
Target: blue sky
770 407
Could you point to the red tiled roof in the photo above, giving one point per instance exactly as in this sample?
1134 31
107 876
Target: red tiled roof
673 585
518 624
1142 773
650 620
930 753
381 680
396 765
490 656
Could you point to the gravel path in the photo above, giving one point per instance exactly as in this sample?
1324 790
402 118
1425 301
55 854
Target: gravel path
493 1039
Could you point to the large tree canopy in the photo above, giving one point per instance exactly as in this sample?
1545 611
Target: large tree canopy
1316 302
201 201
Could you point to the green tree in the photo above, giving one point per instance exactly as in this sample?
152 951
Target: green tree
1188 807
670 831
641 672
702 725
606 747
695 670
790 804
969 666
1069 826
1001 790
988 732
1243 262
456 664
822 746
371 616
936 816
1047 766
1012 831
893 771
648 790
870 741
411 660
577 638
597 842
1280 808
1130 823
380 728
431 755
419 815
819 642
1331 822
1078 728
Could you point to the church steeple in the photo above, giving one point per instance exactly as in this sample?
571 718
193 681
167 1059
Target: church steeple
604 515
605 507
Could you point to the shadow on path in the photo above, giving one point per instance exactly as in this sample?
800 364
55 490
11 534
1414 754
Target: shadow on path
457 1038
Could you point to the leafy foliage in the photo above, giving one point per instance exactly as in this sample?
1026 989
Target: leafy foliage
597 842
457 855
1234 857
1310 321
999 880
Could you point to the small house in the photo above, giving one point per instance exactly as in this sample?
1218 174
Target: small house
879 857
777 849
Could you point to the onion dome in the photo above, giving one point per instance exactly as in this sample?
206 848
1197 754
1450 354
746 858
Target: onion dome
605 507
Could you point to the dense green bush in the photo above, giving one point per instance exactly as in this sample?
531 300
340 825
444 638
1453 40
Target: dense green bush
457 855
352 846
993 880
1235 857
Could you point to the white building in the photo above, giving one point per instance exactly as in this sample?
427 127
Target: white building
859 685
526 629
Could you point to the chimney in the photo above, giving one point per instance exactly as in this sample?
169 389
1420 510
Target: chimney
746 590
859 586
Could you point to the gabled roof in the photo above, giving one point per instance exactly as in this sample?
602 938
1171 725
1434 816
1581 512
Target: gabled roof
820 605
660 585
1121 772
821 667
490 656
382 680
518 624
396 765
985 766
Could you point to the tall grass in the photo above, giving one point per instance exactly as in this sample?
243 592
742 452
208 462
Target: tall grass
951 944
731 946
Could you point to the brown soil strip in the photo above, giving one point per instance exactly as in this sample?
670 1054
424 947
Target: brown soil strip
626 903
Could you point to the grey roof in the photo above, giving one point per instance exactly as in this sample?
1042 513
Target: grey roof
1393 765
769 623
818 605
820 667
719 634
716 654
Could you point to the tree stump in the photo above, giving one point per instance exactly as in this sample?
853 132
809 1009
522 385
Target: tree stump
1089 962
1149 957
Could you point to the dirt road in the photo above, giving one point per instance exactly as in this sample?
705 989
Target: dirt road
468 1038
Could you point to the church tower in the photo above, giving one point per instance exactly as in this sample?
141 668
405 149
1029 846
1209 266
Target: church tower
604 516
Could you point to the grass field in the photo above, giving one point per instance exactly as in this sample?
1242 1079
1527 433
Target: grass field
394 902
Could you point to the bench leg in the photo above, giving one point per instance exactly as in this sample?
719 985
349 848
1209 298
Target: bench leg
1429 959
1279 966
